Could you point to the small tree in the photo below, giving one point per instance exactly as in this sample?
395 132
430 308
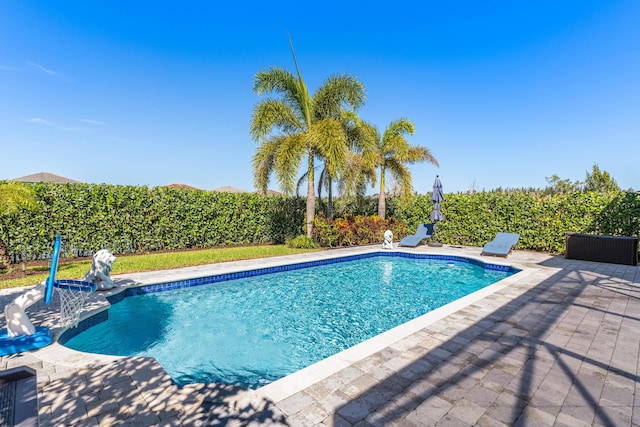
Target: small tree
561 186
13 197
599 181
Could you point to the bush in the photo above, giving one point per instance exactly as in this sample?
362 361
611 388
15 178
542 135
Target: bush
350 230
302 242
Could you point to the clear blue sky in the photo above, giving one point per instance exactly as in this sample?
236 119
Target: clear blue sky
504 93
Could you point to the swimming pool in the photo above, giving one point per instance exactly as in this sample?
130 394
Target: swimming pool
255 327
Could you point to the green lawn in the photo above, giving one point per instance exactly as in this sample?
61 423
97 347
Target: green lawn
155 261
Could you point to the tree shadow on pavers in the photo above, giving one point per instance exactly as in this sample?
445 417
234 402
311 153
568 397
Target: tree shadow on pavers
222 404
137 391
511 363
131 391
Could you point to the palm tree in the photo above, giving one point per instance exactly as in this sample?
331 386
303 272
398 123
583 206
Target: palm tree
13 197
296 125
392 153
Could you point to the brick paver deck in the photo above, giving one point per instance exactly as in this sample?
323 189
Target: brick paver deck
557 346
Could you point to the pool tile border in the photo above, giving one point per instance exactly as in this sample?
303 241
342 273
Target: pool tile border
206 280
91 320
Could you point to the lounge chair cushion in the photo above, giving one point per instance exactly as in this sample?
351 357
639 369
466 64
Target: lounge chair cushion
424 231
501 245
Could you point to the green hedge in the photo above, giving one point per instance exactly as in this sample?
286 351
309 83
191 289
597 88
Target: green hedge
541 221
127 219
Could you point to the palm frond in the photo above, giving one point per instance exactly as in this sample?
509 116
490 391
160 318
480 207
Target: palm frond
285 84
418 153
270 114
288 158
393 140
263 163
337 93
275 79
400 126
302 94
401 174
324 181
331 144
300 182
355 177
367 143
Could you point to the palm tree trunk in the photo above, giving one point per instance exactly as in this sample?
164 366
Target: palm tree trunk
381 201
330 199
311 197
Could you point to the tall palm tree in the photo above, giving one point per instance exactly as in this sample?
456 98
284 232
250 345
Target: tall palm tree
13 197
393 154
297 124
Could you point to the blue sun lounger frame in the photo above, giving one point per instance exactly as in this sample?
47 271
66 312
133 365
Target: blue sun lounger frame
424 231
501 245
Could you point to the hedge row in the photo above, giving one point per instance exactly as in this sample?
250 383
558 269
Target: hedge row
128 219
541 220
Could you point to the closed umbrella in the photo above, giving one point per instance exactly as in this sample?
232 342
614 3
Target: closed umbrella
437 196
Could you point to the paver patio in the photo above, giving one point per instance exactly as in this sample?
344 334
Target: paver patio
557 345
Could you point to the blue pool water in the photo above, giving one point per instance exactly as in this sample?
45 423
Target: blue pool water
255 330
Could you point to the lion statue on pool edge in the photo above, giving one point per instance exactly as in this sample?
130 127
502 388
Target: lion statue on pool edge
101 269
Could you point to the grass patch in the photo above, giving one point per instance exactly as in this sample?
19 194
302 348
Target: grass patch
153 262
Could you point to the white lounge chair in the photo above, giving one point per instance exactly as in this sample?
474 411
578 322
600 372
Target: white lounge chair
501 245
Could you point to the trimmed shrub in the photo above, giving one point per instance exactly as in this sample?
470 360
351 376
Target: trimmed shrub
302 242
350 230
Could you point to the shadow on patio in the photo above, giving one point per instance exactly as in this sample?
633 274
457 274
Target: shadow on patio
129 391
563 352
137 391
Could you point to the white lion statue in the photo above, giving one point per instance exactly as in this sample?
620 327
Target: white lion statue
388 240
101 269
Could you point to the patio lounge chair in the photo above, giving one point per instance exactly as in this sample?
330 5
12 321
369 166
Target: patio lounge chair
425 231
501 245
